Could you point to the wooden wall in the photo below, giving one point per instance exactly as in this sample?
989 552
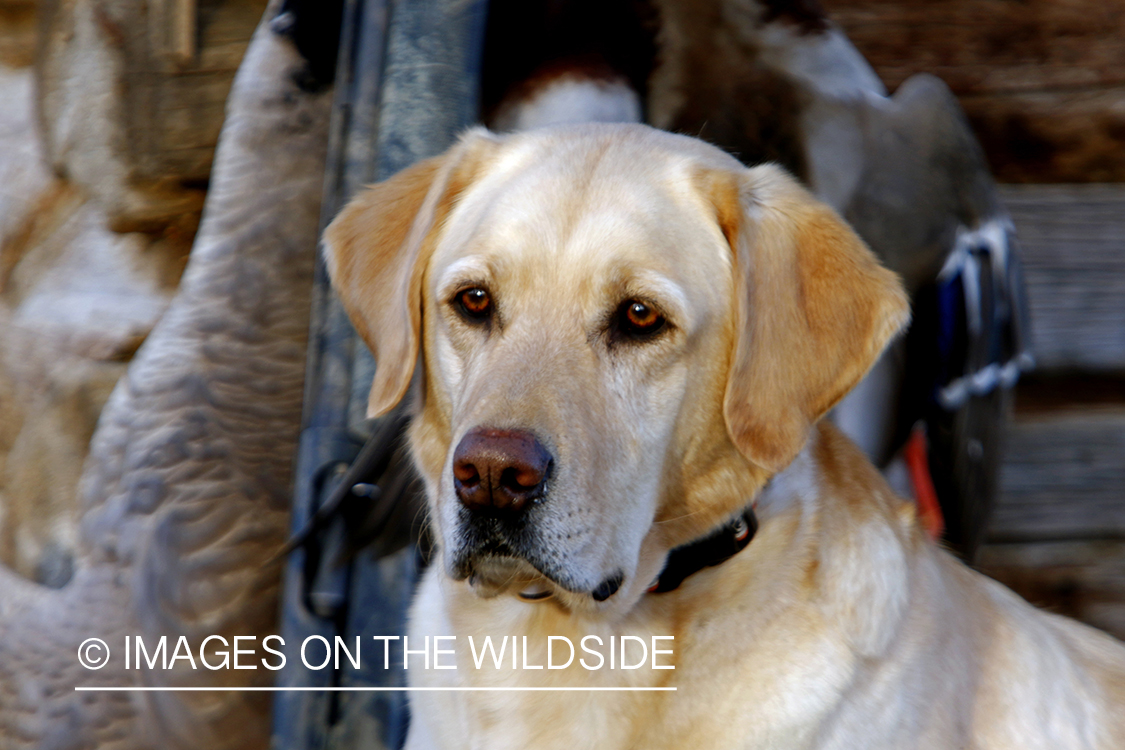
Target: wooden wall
1058 533
1043 81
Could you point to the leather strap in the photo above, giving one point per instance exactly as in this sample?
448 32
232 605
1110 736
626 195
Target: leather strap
714 549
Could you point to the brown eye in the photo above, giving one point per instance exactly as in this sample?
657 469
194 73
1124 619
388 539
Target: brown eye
639 319
475 303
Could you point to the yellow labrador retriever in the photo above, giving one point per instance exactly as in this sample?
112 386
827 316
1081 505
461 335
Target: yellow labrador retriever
622 342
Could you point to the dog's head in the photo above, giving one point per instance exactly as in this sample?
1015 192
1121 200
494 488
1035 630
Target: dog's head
618 335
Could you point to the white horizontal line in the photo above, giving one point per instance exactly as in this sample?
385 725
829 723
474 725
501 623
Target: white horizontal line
370 689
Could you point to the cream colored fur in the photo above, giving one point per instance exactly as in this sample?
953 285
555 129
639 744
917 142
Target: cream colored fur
840 625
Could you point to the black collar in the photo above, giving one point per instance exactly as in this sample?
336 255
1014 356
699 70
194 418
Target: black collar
714 549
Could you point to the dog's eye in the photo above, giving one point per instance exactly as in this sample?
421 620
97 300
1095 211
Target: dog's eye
474 303
639 319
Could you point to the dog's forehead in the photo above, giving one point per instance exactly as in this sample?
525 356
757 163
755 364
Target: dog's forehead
583 209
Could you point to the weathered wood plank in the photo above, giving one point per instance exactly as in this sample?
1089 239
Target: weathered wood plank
185 29
1080 579
981 46
1039 393
1042 81
1063 477
220 57
1073 240
17 33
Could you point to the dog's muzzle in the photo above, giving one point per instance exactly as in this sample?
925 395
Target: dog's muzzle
501 479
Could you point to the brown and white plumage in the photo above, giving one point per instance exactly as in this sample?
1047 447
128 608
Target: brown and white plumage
185 494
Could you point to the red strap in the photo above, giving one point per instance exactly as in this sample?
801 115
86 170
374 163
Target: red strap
918 463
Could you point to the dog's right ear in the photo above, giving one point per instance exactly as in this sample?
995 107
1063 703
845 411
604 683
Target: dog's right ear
377 248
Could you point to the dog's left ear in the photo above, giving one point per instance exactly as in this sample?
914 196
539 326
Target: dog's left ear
814 310
376 251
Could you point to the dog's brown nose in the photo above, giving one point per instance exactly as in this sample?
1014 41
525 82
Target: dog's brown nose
500 470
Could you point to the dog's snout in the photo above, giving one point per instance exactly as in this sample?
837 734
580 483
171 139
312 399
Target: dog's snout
500 470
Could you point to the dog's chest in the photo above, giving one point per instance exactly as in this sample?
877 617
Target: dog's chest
733 692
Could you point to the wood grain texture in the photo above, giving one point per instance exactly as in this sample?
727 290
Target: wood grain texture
989 46
1063 477
185 30
1058 530
1043 81
1073 241
131 96
1082 579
